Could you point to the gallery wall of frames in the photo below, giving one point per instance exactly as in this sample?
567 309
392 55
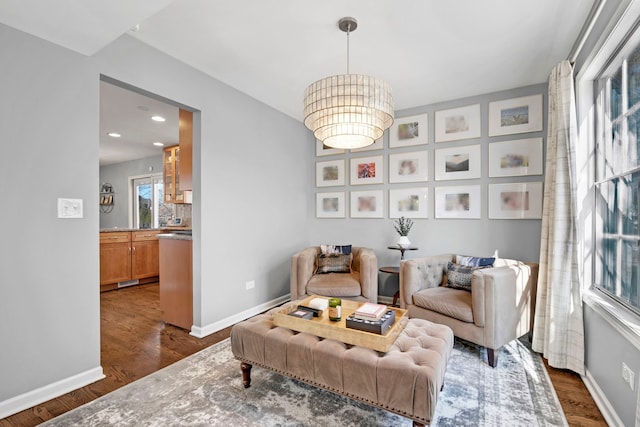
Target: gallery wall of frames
421 173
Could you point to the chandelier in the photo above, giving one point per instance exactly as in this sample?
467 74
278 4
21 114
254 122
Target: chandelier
348 111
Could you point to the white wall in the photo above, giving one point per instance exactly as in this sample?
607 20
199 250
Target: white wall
517 239
118 176
250 209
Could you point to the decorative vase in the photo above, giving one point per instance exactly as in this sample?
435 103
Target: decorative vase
404 242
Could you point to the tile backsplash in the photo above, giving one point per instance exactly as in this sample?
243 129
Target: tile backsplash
169 211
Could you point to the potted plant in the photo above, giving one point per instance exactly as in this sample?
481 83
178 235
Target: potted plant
403 227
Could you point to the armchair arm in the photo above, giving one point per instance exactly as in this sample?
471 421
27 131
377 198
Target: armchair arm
421 273
302 268
501 302
368 264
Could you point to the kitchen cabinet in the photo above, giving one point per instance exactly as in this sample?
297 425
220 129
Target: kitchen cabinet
178 161
176 281
128 255
172 191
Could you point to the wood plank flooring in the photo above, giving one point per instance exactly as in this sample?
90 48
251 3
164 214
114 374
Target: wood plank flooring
136 343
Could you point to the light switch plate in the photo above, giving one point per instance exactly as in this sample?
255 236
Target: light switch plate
70 208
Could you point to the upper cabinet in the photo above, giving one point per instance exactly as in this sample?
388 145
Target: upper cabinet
178 162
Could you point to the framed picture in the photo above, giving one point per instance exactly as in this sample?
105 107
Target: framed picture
408 202
409 131
367 204
377 145
517 115
324 150
458 123
462 202
408 167
515 158
367 170
515 201
461 162
330 205
330 173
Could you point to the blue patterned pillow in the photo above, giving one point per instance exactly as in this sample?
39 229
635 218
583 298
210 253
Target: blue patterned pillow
459 276
473 261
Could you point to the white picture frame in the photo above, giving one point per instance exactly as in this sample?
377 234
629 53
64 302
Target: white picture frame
462 162
409 167
458 123
324 150
459 202
515 158
367 170
330 173
521 200
409 131
377 145
409 203
367 204
330 205
516 115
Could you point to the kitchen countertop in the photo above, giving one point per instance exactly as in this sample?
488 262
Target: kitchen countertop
115 230
174 236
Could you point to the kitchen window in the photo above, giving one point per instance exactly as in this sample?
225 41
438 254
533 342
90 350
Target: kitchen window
617 186
147 201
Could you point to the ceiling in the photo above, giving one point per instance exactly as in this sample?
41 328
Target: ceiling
428 50
129 114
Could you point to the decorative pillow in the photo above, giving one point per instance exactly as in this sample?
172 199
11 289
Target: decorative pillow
459 276
335 249
334 263
472 261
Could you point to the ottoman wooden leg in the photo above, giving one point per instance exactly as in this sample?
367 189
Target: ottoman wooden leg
417 424
246 374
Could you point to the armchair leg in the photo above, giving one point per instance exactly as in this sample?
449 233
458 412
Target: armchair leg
492 357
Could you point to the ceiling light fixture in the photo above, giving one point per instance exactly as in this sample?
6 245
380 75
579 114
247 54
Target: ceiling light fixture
114 134
348 111
158 119
158 144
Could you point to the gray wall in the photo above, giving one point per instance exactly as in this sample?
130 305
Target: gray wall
118 176
435 236
605 347
49 304
250 187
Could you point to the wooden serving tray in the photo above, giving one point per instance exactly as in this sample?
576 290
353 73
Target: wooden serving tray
325 328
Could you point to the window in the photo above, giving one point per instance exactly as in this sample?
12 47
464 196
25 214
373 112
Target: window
617 188
147 201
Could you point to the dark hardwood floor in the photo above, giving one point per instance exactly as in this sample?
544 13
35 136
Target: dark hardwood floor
135 343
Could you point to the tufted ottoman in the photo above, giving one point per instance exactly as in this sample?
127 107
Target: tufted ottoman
405 380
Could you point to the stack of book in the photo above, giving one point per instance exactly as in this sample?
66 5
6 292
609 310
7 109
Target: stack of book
370 317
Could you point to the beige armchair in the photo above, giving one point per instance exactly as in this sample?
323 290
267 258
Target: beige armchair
360 285
499 308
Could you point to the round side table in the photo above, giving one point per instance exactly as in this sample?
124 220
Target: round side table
396 270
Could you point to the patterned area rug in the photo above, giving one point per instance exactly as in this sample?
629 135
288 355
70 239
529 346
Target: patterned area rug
205 389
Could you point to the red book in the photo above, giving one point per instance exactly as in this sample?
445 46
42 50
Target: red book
370 311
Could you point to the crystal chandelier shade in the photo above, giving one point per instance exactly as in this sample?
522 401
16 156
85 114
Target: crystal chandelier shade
348 111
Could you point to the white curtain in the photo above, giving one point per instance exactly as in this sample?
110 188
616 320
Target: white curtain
558 328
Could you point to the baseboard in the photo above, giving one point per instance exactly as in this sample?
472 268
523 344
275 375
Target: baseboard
35 397
383 299
201 332
609 414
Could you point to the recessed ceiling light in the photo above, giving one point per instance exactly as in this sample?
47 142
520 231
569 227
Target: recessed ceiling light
158 119
114 134
158 144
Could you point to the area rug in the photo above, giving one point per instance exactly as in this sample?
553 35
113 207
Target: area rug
205 389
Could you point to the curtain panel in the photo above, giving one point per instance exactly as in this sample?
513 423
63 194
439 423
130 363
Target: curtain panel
558 327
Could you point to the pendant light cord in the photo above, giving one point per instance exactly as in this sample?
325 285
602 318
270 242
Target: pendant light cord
348 31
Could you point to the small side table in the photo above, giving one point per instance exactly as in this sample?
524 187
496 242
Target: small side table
396 270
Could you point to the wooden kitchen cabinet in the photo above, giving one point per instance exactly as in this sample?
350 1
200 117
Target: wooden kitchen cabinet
176 282
128 255
178 161
172 191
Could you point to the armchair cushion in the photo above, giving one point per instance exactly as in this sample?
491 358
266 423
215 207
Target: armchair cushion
335 285
334 263
454 303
